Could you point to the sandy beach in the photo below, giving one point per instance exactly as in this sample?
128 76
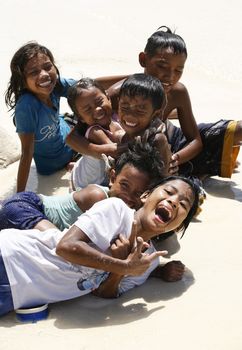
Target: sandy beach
204 310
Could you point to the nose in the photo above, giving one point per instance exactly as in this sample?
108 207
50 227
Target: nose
174 202
169 75
43 72
97 112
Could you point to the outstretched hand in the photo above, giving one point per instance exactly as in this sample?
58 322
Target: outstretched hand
138 262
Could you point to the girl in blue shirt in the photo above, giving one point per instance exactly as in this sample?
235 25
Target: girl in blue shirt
34 93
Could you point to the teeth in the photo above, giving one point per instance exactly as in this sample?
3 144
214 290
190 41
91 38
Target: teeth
100 117
130 124
46 83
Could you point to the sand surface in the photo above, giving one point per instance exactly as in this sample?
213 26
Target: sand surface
95 38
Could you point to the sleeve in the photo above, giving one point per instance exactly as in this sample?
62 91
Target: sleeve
129 282
26 116
65 84
105 221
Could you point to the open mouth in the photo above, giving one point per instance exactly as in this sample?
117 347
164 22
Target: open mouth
164 214
131 125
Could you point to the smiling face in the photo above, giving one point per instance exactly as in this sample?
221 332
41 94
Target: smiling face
40 76
164 65
129 185
165 208
135 114
94 107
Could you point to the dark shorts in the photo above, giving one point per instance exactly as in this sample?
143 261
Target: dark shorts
22 211
217 156
6 301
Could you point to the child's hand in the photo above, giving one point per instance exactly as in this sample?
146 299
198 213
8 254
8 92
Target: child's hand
115 149
171 272
174 164
138 262
121 248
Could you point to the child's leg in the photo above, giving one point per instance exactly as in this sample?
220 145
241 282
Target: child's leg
219 154
238 134
6 301
22 211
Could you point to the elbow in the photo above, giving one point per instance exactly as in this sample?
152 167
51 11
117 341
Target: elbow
63 249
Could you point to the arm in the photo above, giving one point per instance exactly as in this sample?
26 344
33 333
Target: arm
109 288
74 248
27 150
86 197
179 98
113 93
83 146
108 81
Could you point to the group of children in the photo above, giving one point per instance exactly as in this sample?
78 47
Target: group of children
103 247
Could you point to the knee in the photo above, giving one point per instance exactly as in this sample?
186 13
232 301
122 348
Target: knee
238 134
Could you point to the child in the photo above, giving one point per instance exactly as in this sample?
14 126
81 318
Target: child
34 93
141 101
91 105
206 149
132 175
60 266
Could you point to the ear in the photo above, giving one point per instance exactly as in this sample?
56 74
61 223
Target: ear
142 59
112 177
144 196
107 95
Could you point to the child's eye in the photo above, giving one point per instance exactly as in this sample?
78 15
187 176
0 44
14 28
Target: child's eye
124 109
183 205
87 110
124 185
48 66
33 73
168 191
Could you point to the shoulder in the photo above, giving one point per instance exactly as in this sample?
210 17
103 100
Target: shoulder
96 192
63 85
27 100
112 207
67 82
178 89
177 97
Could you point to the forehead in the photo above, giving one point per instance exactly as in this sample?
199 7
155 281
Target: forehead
37 59
90 92
183 188
135 101
86 95
132 173
169 55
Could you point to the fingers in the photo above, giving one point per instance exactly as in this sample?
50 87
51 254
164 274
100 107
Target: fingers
132 237
158 253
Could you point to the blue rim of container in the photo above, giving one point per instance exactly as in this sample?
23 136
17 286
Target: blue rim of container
33 314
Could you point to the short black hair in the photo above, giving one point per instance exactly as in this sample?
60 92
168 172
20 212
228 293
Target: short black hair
164 38
144 85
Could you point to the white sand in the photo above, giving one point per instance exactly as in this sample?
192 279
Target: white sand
204 310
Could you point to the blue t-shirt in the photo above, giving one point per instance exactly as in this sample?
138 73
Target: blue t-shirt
49 128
